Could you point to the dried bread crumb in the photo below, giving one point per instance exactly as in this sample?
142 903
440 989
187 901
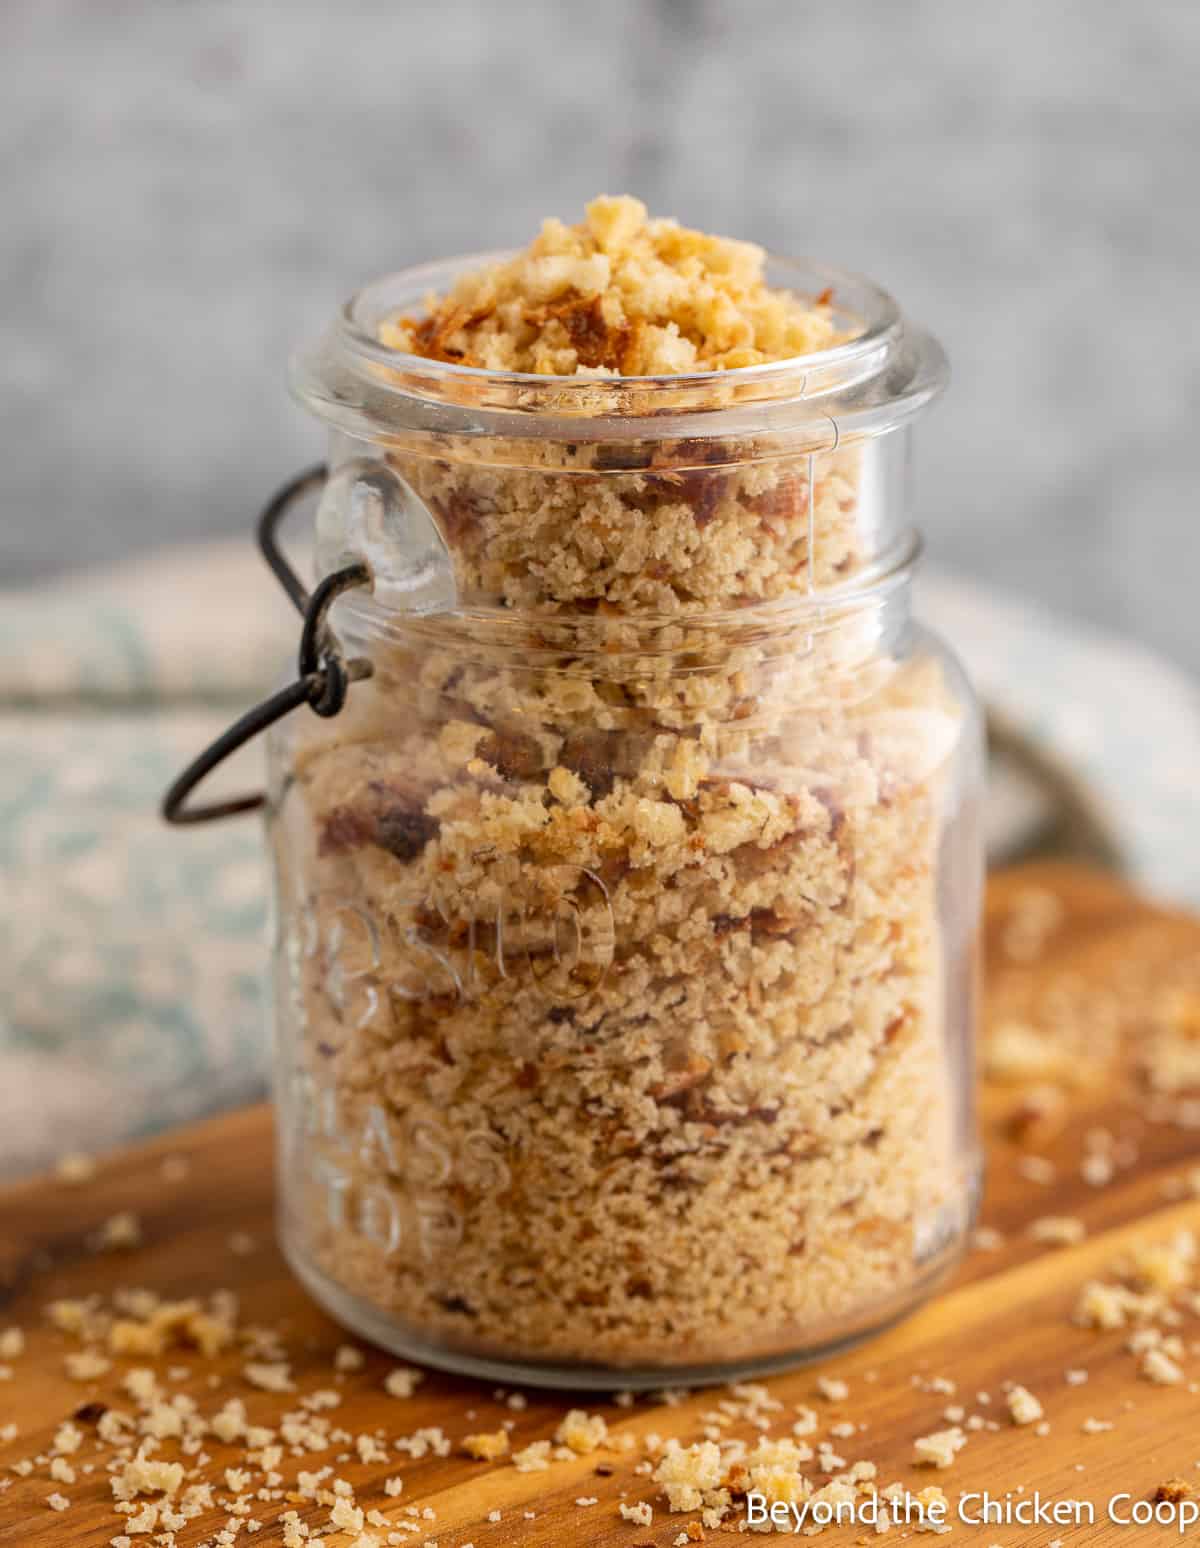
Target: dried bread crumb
67 1439
1023 1406
86 1365
345 1517
688 1473
940 1448
269 1376
534 1458
581 1431
403 1381
120 1233
1058 1230
1037 1169
1160 1368
75 1168
146 1475
486 1446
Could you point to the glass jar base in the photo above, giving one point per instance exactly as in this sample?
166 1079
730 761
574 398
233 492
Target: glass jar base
360 1317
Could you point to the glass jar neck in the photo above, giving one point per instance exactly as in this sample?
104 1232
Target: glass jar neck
617 534
843 630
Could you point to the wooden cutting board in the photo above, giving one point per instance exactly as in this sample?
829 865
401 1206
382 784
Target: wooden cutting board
1070 952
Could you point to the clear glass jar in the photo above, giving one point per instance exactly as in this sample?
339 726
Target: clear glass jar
627 911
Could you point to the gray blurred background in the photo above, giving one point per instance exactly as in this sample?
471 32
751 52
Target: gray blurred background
190 188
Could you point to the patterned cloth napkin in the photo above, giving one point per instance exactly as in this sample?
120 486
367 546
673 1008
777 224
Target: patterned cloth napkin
132 956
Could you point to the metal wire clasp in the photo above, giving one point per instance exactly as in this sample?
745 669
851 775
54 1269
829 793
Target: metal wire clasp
324 676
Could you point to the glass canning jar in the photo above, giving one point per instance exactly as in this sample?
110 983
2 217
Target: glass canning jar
626 913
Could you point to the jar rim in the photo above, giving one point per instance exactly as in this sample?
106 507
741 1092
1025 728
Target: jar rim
360 331
863 385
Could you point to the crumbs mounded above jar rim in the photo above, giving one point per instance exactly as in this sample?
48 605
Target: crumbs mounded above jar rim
619 295
466 347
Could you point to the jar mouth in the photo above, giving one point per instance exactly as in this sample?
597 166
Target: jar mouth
869 311
863 385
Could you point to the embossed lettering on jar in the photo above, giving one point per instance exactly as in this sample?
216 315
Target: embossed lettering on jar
627 911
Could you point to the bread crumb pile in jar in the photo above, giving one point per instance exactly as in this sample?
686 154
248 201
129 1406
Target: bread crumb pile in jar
618 1005
618 295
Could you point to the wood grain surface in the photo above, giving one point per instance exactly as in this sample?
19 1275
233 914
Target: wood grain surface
1056 937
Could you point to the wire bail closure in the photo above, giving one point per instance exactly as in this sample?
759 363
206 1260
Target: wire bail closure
325 674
